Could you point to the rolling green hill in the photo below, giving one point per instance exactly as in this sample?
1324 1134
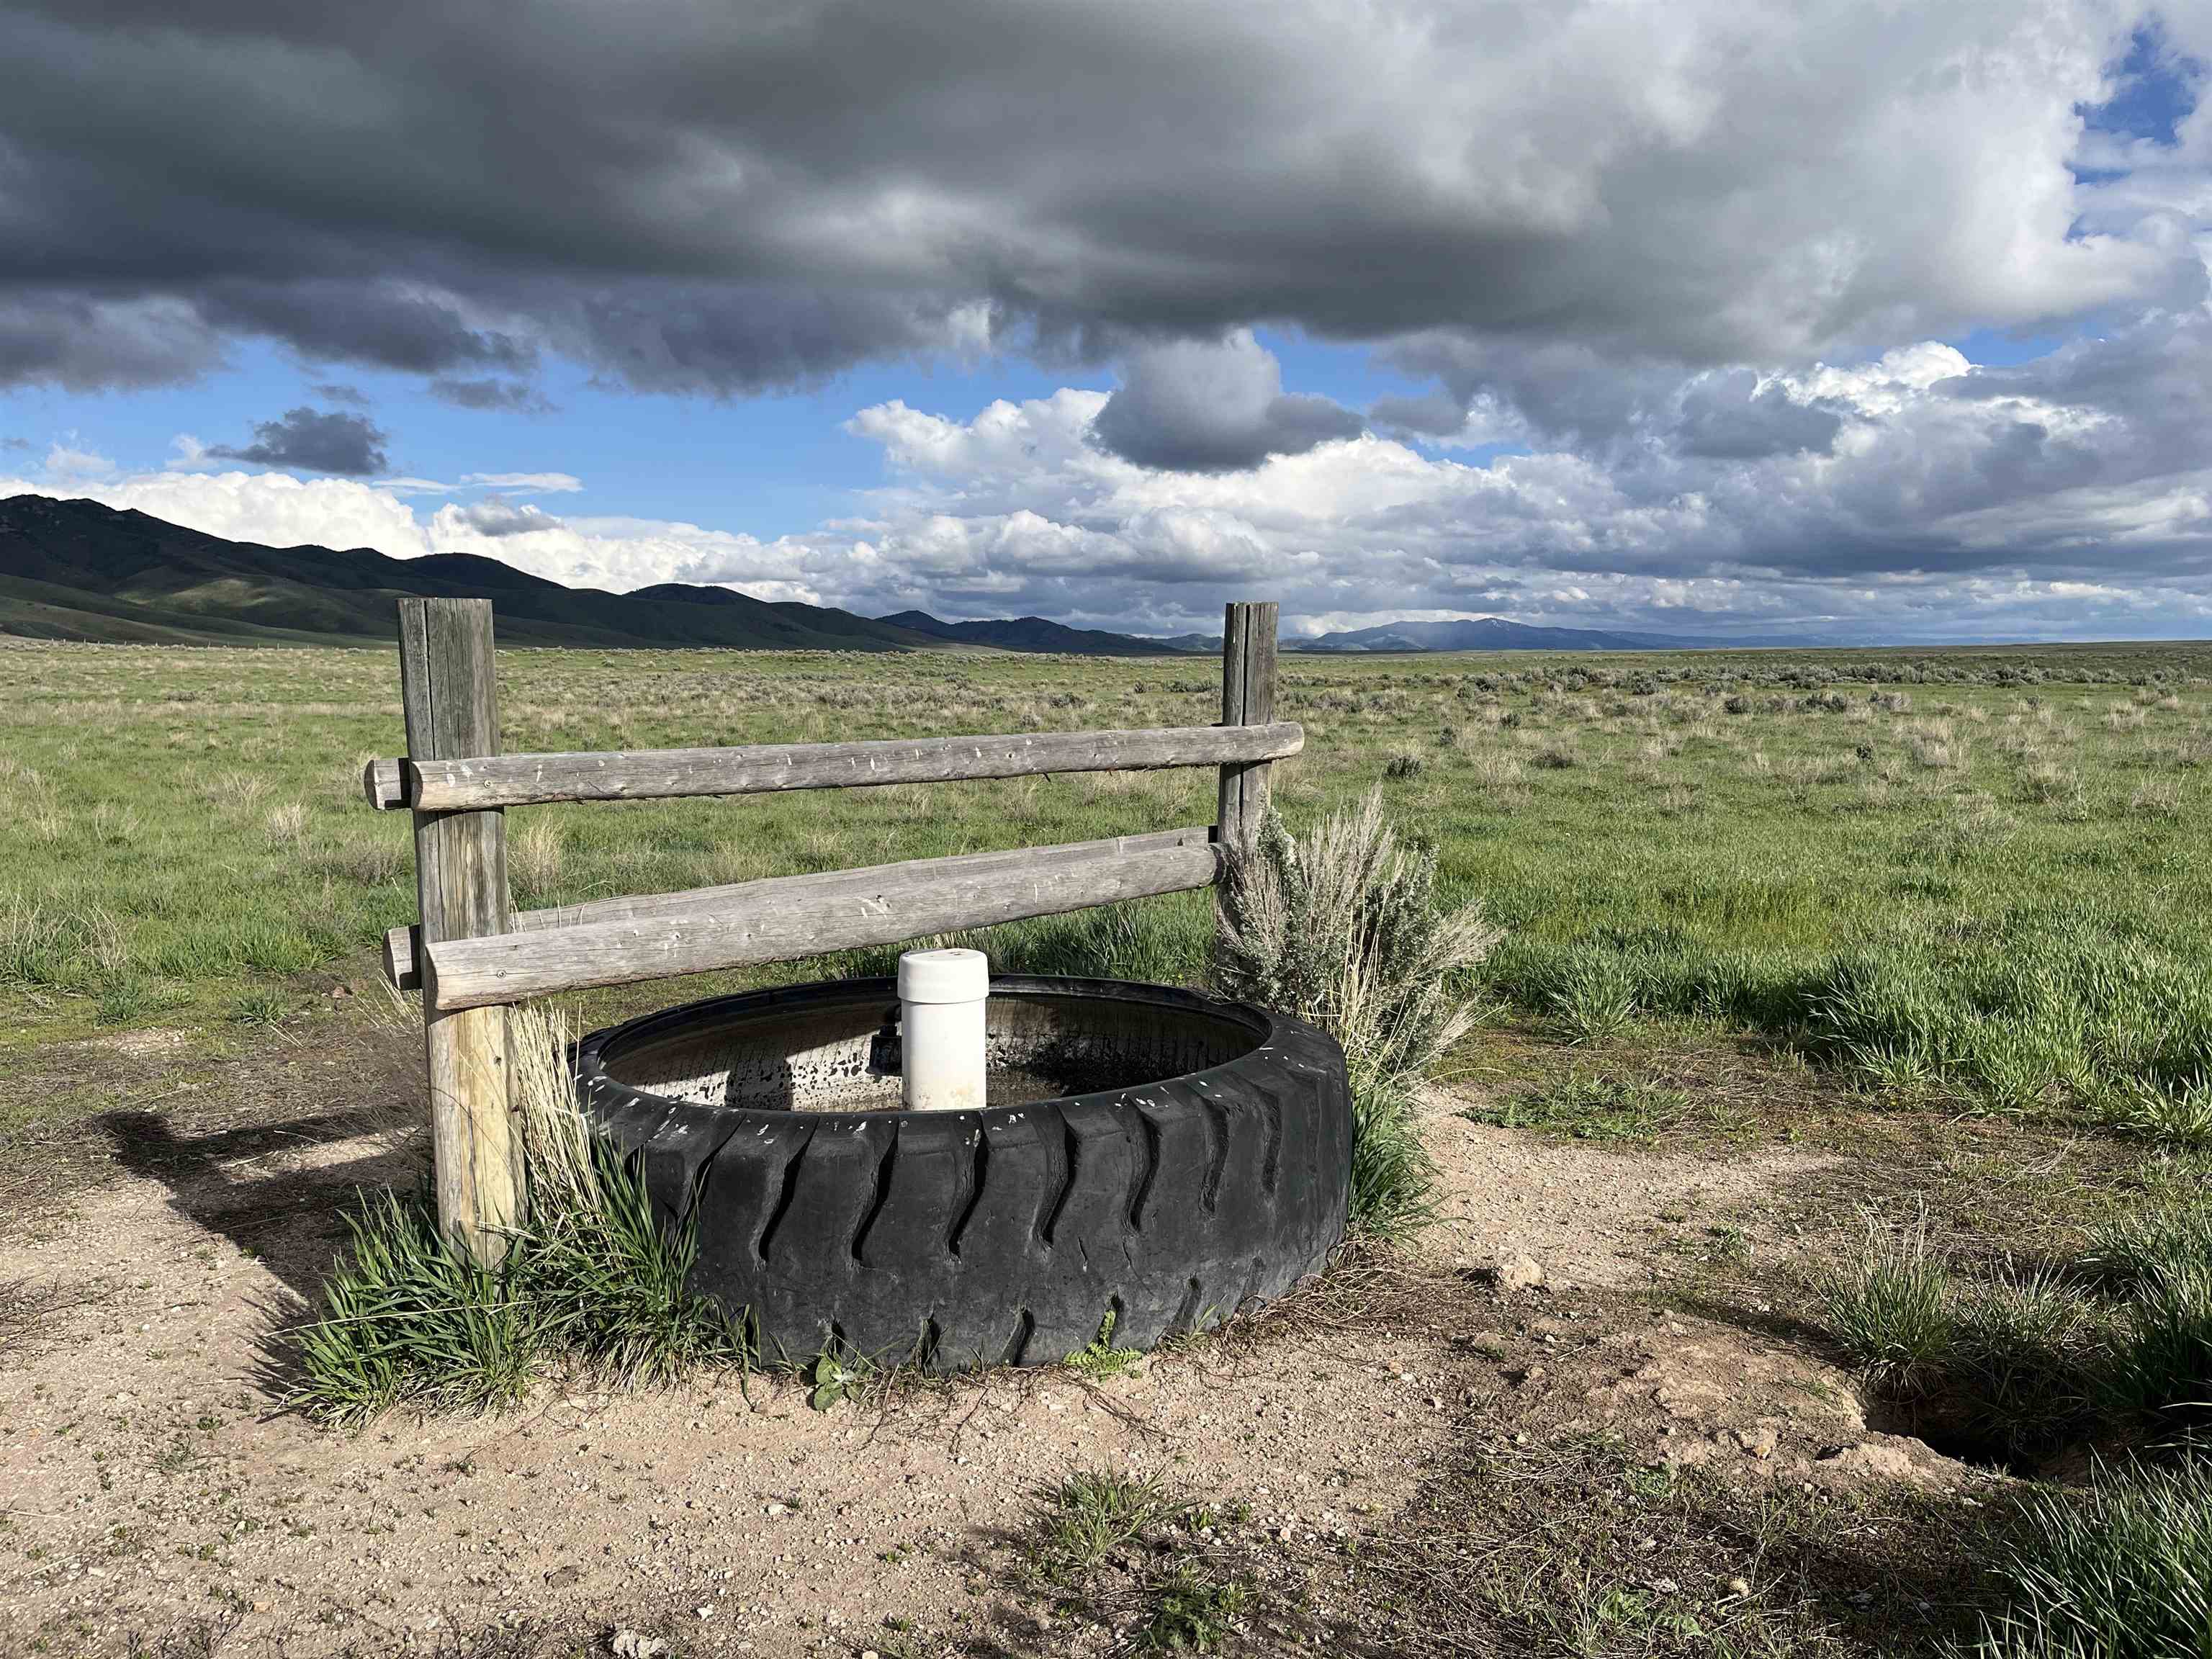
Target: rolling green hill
76 570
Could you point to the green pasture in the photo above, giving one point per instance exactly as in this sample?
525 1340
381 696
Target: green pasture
1977 874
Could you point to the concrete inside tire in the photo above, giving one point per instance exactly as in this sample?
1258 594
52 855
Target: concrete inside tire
1197 1157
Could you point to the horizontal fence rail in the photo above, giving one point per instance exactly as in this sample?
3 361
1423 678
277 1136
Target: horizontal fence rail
490 781
791 916
402 945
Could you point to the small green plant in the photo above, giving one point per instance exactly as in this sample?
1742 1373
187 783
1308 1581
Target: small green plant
2019 1365
833 1380
1102 1360
259 1005
2162 1367
1093 1513
1889 1308
2130 1250
2180 1115
1345 929
1192 1610
410 1315
1406 763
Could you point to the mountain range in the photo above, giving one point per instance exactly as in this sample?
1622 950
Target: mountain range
78 570
1496 634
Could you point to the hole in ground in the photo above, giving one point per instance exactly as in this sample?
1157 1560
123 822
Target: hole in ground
1955 1429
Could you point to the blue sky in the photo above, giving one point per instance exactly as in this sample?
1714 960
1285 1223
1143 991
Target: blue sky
1839 325
773 463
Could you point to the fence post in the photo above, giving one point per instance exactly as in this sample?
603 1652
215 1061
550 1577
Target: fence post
1247 698
448 691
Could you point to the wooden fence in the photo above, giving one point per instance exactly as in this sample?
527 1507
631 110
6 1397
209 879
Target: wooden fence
471 956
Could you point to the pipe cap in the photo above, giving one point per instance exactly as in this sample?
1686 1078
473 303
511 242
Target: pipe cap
944 976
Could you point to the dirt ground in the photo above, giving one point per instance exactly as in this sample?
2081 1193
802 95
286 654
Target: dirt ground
159 1497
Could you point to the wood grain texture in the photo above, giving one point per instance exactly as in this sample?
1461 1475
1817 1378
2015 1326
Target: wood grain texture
385 784
443 784
450 700
402 945
1247 702
799 916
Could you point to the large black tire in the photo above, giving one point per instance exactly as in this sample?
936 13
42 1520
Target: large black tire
1003 1237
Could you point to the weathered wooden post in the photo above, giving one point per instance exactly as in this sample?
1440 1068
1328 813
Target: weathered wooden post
450 696
1247 698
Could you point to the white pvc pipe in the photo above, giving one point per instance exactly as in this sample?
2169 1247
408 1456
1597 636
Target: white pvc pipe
942 994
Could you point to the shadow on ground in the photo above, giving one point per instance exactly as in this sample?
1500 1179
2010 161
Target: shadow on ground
260 1186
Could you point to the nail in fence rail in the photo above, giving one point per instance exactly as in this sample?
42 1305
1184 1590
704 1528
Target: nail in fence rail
473 959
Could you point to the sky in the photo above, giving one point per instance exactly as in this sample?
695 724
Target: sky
1852 321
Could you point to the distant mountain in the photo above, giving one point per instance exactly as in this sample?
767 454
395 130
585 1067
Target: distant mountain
1496 633
76 570
1035 634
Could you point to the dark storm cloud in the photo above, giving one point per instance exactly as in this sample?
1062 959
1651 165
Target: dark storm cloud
2152 379
1730 417
489 393
313 440
1201 407
713 200
388 325
88 344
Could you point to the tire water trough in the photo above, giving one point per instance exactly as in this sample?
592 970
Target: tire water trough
1141 1152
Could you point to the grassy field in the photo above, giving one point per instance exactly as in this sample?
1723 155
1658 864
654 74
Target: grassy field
1970 875
1910 946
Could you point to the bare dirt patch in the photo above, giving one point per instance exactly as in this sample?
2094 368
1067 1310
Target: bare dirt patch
158 1492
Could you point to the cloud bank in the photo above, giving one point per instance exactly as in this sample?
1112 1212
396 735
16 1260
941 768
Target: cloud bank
718 198
1915 497
1665 288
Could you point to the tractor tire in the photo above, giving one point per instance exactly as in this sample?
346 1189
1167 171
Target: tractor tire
1007 1236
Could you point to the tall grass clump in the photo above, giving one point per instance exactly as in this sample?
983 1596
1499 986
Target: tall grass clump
2159 1264
1889 1307
1345 928
2121 1571
409 1317
2117 1343
592 1278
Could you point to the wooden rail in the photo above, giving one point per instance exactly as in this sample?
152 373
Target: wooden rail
498 781
808 915
401 945
471 957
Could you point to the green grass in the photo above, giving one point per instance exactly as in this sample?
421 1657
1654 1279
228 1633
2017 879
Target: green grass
2018 1362
1094 1514
407 1318
1868 855
1110 1546
1889 1308
2121 1571
1596 1107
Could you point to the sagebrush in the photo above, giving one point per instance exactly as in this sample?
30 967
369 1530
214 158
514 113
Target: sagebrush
1345 928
